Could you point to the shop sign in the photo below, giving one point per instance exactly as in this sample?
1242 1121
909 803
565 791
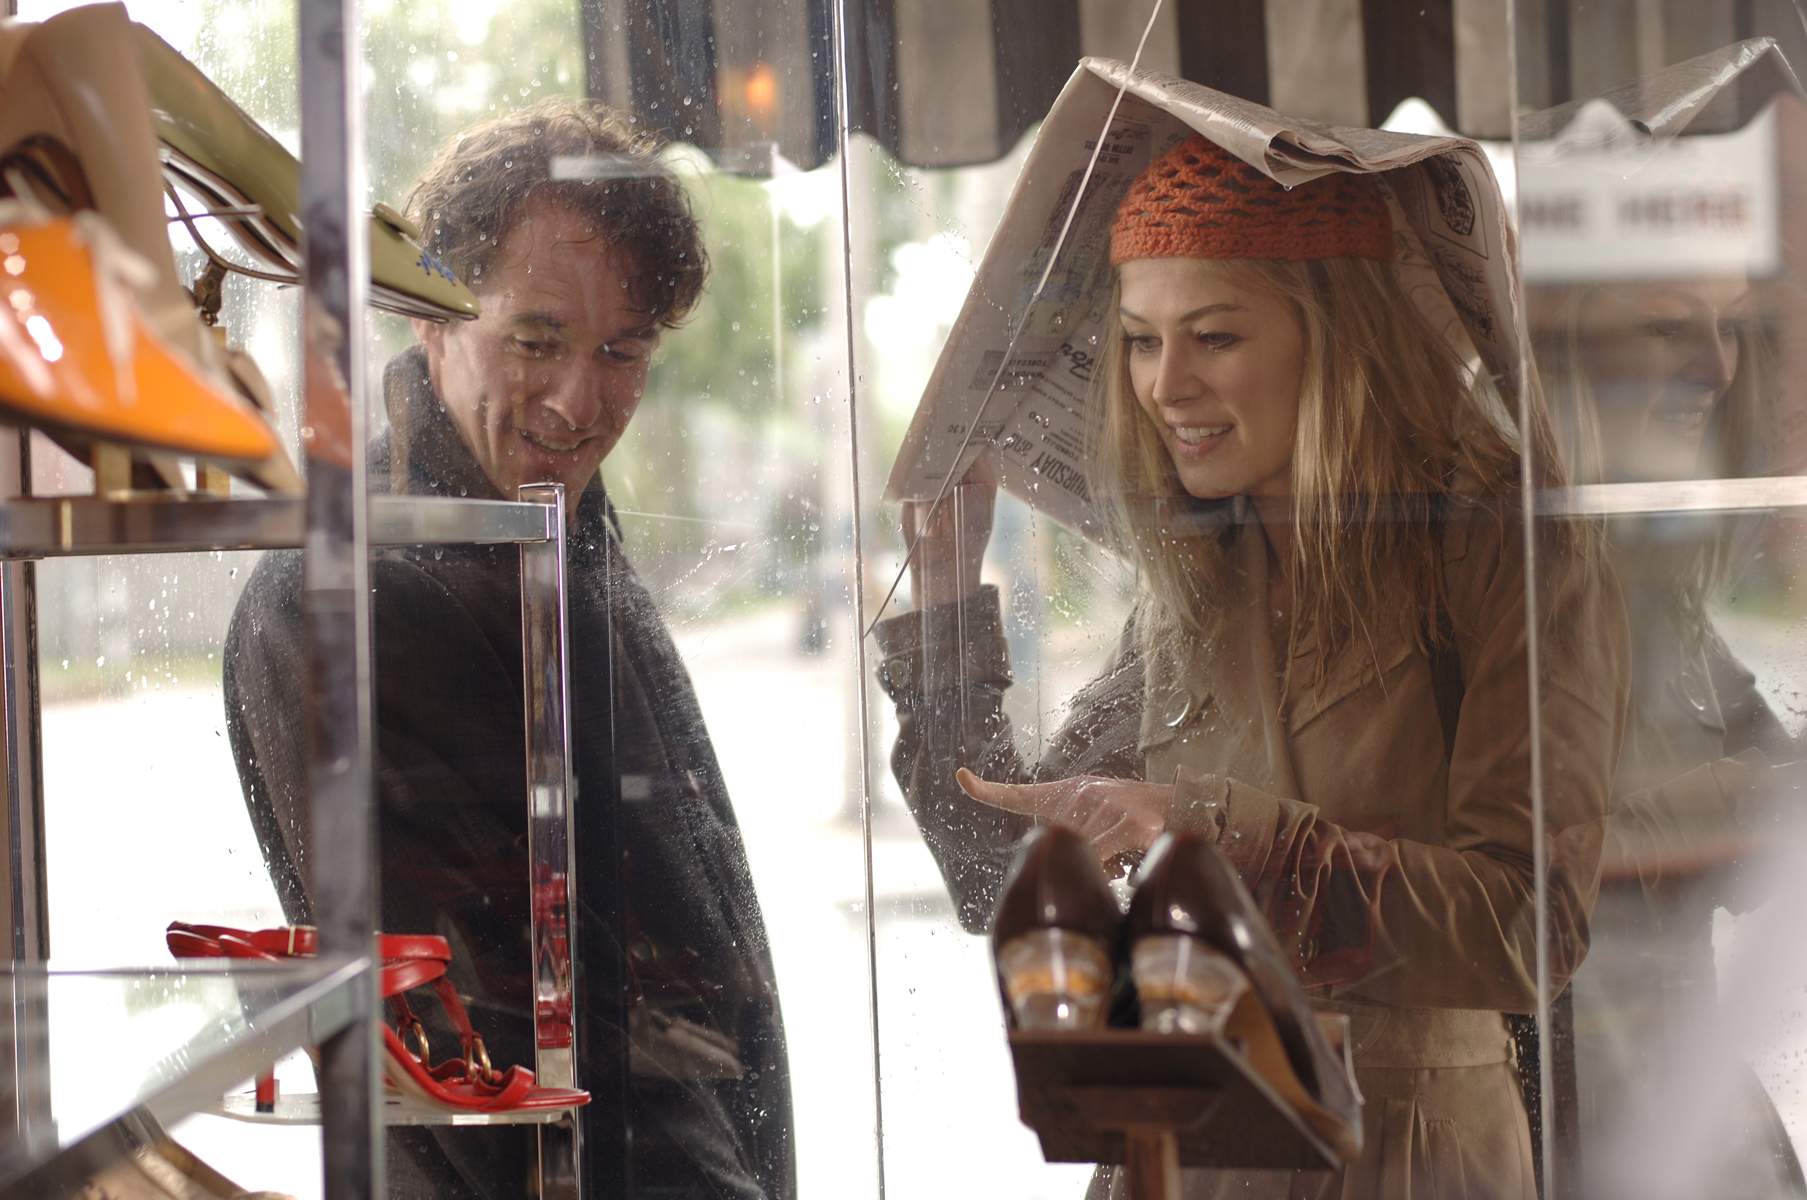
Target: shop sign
1605 203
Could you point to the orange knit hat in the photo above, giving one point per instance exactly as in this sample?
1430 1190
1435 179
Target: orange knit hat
1200 201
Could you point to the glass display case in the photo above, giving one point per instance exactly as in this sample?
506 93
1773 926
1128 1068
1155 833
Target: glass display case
832 320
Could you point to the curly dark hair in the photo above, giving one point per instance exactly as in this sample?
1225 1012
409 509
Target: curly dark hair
583 154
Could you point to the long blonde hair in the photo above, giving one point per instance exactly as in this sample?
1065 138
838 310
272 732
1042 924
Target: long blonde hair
1389 422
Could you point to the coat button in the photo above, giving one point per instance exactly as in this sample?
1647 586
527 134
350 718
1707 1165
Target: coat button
1181 707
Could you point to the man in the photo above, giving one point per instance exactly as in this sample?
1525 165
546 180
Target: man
577 280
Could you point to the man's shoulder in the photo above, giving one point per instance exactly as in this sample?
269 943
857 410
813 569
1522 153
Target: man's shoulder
272 596
401 581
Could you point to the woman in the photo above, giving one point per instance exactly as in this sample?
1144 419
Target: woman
1659 381
1327 671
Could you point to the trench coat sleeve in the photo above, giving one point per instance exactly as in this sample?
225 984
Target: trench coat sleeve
1705 823
944 722
1708 826
1451 925
1671 832
1750 723
448 756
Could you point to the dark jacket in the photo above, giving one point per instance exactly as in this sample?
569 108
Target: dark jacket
658 859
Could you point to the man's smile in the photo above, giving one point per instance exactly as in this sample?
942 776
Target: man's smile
550 444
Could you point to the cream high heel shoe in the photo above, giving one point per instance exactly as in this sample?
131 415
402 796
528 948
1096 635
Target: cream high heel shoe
75 134
206 143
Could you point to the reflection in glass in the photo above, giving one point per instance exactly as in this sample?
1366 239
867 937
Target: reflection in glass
1659 352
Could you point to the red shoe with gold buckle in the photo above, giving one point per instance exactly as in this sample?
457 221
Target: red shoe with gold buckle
466 1084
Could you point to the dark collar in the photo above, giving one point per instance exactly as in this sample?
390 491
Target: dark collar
422 452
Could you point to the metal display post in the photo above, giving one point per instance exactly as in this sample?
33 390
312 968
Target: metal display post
547 692
25 1105
335 577
23 900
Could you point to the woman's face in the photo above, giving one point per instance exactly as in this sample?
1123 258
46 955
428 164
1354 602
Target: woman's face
1217 368
1660 357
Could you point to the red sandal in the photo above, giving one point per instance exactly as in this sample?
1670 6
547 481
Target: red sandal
466 1084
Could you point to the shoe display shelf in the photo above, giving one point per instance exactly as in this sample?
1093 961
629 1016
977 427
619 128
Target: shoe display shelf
303 1108
1772 493
158 1042
77 1091
57 527
200 1028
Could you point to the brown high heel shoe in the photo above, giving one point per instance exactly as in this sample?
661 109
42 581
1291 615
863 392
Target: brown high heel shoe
1054 934
1192 928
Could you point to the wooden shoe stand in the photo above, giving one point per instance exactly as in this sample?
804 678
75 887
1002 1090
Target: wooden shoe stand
1153 1103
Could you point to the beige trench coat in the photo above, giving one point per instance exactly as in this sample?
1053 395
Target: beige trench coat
1401 881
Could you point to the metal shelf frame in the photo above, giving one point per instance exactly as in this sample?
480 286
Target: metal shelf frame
39 528
322 1003
1775 493
60 527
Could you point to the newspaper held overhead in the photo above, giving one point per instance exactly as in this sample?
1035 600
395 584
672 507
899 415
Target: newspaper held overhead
1454 257
1715 92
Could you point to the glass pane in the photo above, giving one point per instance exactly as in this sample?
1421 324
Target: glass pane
1655 199
720 930
658 277
168 1025
946 1081
1257 575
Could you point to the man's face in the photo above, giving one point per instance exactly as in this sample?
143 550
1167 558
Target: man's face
544 382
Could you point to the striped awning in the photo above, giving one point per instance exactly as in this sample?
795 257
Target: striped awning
951 82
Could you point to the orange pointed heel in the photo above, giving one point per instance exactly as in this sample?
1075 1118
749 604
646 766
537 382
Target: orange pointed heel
77 356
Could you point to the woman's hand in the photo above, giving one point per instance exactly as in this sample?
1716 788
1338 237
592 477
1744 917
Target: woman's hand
951 547
1118 816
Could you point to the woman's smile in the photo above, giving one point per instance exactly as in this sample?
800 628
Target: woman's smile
1200 437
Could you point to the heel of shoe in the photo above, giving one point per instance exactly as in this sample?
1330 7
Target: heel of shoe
266 1091
1054 934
